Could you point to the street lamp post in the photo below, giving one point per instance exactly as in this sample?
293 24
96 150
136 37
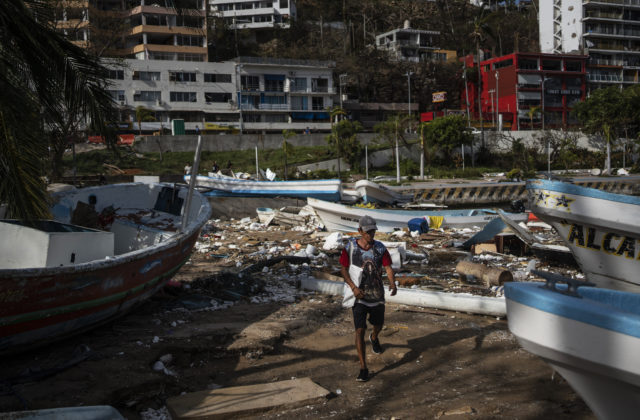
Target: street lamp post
239 81
542 100
493 113
548 141
409 74
343 81
497 100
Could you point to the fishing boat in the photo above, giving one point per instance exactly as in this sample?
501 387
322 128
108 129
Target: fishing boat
326 189
59 278
591 336
339 217
599 227
372 192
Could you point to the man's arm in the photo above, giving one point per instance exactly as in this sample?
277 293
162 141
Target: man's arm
392 280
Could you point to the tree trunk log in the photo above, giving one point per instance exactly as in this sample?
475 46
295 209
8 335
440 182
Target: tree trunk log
489 275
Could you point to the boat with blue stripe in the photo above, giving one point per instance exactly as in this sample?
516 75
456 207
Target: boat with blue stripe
591 336
600 228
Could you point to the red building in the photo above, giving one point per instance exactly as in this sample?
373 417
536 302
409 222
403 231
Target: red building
513 86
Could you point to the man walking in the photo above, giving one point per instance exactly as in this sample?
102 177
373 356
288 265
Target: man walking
369 256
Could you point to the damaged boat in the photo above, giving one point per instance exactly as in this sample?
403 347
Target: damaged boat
338 217
599 227
224 186
58 278
590 335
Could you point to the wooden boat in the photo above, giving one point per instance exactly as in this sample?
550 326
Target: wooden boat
345 218
372 192
57 278
286 216
591 336
326 189
599 227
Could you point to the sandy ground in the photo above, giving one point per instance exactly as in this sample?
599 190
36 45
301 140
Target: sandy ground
436 364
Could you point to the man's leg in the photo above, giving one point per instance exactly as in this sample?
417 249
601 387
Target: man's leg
361 347
376 318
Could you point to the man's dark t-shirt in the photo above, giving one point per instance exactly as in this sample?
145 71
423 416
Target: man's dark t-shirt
371 261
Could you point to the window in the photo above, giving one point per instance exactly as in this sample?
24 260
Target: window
189 40
317 103
117 95
262 18
182 96
217 97
299 84
573 66
190 57
503 63
284 4
116 74
178 76
274 85
250 82
217 78
528 64
320 85
146 96
146 75
551 65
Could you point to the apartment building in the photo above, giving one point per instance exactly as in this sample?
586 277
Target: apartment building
251 14
249 94
138 29
413 45
529 90
608 31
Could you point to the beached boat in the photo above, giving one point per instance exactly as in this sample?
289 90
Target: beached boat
600 228
326 189
591 336
59 278
377 193
338 217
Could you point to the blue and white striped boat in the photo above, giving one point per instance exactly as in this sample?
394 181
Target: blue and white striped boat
224 186
602 229
591 336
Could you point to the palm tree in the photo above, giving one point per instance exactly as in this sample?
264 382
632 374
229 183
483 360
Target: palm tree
143 114
534 110
44 79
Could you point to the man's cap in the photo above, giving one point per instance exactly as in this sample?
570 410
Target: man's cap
367 223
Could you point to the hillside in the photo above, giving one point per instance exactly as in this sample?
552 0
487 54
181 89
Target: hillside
344 32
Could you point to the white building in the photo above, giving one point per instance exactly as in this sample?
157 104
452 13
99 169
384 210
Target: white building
275 94
414 45
252 14
606 30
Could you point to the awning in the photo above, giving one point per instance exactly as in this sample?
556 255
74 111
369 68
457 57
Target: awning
302 115
321 116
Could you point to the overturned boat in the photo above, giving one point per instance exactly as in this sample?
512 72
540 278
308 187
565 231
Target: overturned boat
338 217
325 189
372 192
59 278
599 227
591 336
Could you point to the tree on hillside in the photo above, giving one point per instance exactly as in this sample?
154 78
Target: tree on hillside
448 133
43 78
392 130
603 114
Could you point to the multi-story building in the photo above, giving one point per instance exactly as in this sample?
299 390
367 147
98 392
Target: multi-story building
140 29
529 90
252 14
274 94
415 45
608 31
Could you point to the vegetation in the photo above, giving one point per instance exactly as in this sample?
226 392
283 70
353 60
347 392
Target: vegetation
50 88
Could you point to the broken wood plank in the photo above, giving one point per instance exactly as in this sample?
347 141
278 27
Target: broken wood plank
245 400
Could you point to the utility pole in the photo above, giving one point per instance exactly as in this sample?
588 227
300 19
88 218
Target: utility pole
409 74
497 101
493 112
343 81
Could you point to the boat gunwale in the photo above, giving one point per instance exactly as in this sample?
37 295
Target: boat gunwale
565 187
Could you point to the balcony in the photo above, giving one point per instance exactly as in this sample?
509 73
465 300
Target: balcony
614 2
604 78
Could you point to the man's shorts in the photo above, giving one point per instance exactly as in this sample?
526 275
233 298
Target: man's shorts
360 311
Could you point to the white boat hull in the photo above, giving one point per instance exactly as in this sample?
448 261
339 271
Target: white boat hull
601 364
601 229
338 217
326 189
376 193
